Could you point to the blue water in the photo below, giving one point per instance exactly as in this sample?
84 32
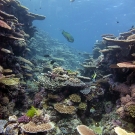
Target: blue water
86 20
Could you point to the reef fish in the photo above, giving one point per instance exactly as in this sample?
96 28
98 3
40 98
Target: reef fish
94 77
68 36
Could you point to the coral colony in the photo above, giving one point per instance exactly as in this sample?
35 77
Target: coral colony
49 95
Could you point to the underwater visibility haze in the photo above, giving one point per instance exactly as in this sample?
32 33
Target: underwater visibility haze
86 20
67 67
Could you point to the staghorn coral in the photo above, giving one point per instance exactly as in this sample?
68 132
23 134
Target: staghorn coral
35 128
75 98
84 130
64 109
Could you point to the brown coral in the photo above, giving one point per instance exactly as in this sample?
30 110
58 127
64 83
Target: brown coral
10 81
121 87
33 128
82 106
129 108
126 65
25 61
75 98
125 99
84 130
119 42
5 101
133 91
121 131
131 37
75 82
64 109
4 25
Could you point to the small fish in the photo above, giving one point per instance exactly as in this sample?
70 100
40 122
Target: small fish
46 55
52 61
117 21
94 77
68 36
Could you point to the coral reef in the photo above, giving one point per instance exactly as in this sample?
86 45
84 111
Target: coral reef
43 81
33 128
84 130
64 109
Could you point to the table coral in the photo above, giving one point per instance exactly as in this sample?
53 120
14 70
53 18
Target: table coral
64 109
4 25
84 130
121 131
33 128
